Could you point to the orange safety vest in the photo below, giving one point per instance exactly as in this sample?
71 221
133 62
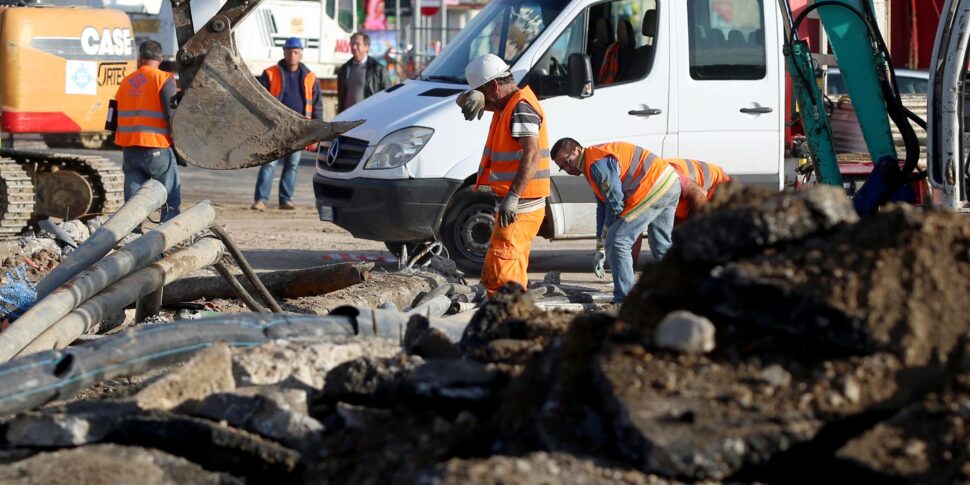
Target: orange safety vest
141 116
641 172
275 77
707 175
611 65
503 154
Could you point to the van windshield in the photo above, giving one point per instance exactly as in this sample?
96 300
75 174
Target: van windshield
505 28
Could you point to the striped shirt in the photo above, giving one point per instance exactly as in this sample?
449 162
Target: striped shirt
525 121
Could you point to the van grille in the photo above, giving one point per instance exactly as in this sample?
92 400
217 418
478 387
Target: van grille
347 154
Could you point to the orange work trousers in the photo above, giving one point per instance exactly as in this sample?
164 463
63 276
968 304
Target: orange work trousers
507 258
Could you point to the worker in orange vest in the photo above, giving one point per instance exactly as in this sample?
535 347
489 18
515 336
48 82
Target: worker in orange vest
706 176
514 166
635 189
295 85
144 120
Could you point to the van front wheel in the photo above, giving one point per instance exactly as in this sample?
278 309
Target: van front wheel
467 227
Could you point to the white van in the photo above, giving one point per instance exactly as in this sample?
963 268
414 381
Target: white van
697 79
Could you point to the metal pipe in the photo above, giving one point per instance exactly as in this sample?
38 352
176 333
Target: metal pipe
148 306
247 270
434 307
238 288
150 196
132 257
127 290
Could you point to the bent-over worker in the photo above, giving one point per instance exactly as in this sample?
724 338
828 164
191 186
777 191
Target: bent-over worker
705 178
634 189
515 165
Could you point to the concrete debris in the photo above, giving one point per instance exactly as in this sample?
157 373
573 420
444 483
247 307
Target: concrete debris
210 371
683 331
101 464
33 246
259 413
52 430
302 363
76 229
95 223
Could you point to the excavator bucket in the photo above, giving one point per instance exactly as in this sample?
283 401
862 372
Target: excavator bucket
225 118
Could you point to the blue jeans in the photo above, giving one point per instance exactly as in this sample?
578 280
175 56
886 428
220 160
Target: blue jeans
622 234
264 182
142 163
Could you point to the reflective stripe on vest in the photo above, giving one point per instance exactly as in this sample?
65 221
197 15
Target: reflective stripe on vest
275 77
708 176
503 153
639 170
142 121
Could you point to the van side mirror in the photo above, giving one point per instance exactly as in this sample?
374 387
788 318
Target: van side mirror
580 76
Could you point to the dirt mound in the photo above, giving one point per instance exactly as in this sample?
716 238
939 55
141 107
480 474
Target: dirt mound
510 328
893 282
538 468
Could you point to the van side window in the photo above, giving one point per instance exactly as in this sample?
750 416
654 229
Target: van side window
726 39
620 38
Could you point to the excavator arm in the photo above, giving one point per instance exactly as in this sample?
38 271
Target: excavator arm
864 62
225 118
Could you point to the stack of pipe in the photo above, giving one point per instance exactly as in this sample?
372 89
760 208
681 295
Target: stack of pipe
74 297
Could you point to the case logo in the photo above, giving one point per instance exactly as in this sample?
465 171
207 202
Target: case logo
106 42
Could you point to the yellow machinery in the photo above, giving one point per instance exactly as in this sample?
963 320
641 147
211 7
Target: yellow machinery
59 67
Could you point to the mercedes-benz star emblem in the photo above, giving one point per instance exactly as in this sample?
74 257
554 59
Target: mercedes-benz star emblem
332 152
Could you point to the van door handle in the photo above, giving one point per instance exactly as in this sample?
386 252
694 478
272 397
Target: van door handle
648 111
756 111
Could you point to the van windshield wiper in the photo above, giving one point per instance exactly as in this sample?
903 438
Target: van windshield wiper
450 79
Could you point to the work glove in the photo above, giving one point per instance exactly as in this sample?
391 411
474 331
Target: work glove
473 105
599 264
506 210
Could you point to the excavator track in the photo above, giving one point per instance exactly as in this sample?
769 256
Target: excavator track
71 186
16 198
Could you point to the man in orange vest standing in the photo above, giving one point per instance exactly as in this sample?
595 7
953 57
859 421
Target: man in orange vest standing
514 165
295 85
636 189
143 129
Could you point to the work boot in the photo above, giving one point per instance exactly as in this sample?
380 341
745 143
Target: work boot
258 206
287 206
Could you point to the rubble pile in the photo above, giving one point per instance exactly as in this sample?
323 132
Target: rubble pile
781 339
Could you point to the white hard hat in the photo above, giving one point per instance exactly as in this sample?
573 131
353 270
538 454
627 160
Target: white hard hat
483 69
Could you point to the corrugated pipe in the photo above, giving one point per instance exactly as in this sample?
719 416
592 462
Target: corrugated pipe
132 257
116 297
150 196
36 379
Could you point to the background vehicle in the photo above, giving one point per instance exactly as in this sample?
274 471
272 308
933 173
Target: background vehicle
696 80
58 69
260 36
910 81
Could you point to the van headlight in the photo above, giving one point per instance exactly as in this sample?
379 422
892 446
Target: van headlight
398 148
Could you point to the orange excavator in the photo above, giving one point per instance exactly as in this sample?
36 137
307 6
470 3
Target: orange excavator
60 66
